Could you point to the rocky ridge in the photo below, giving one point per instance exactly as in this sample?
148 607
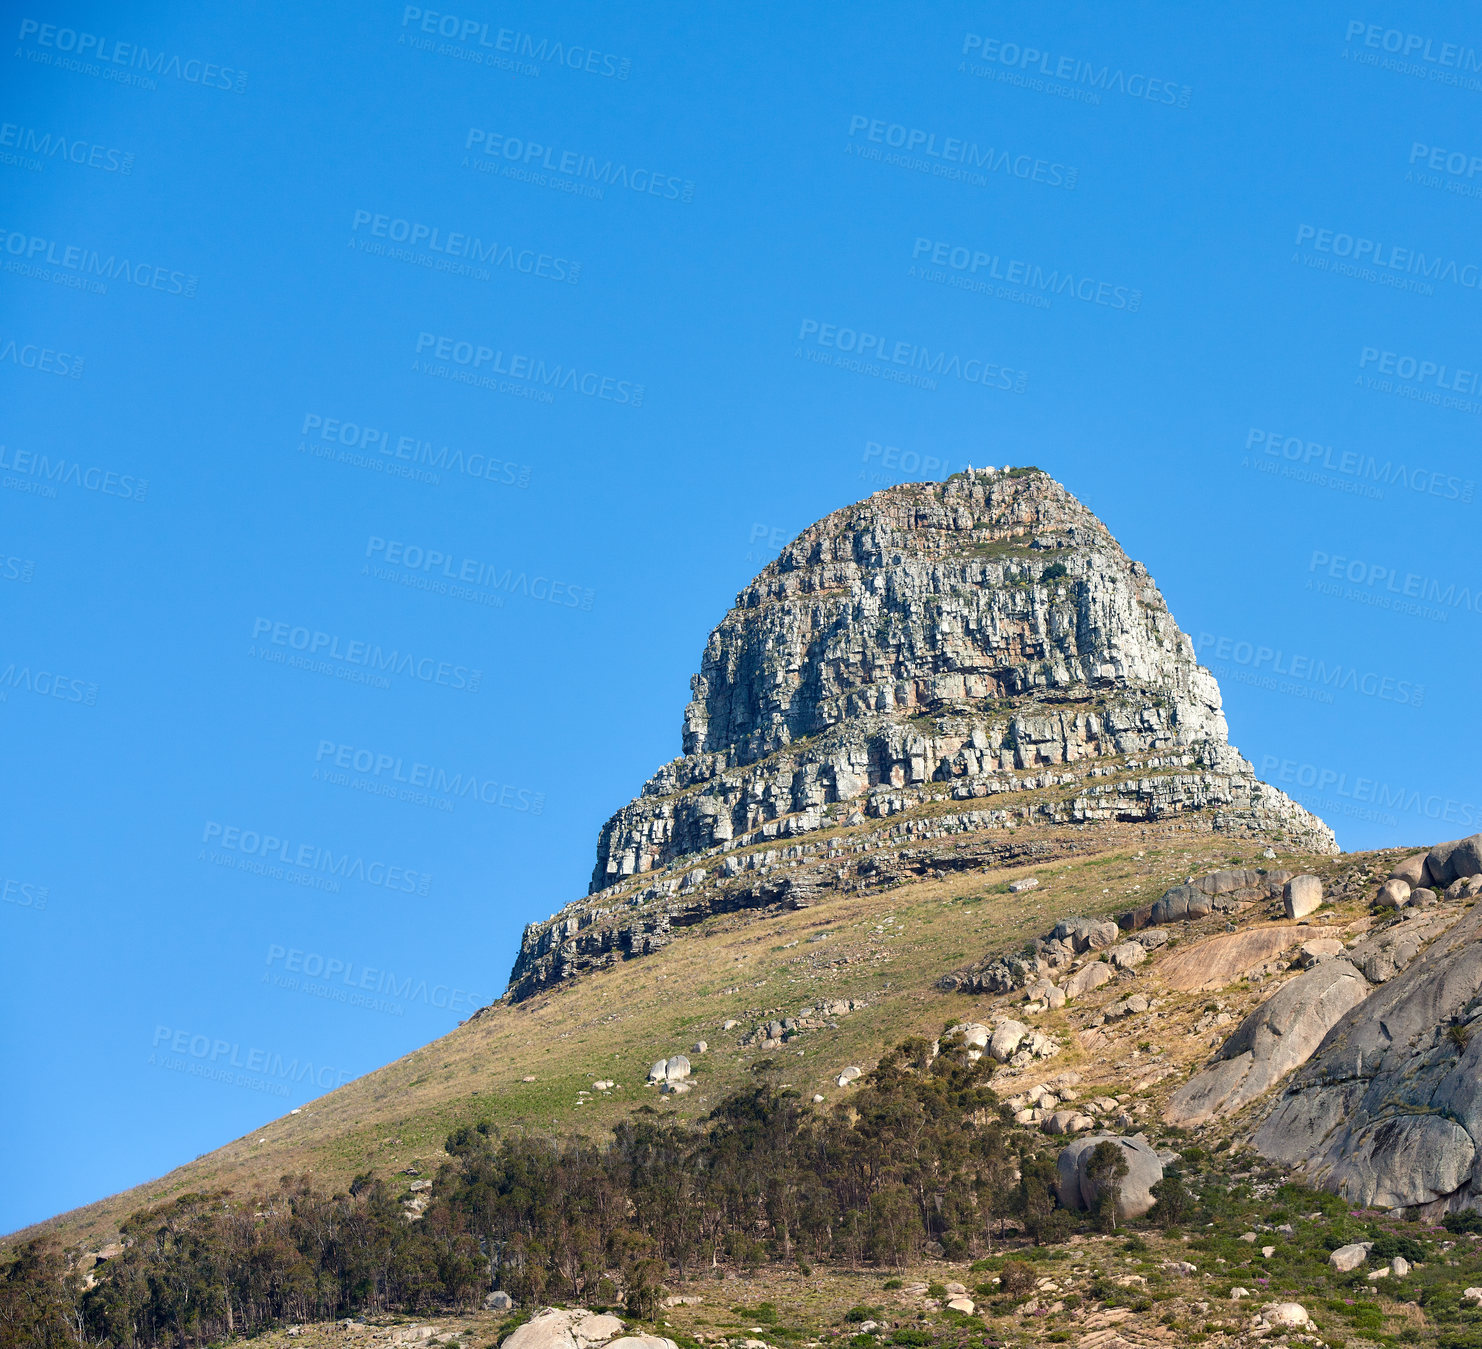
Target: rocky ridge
943 661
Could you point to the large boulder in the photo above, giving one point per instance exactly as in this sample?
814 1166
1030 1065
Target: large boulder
564 1328
1278 1036
1348 1258
974 1034
1086 934
1466 858
1411 870
1394 893
1088 977
1388 1113
1440 862
1078 1191
677 1068
1005 1040
1217 961
1181 902
1127 955
1301 896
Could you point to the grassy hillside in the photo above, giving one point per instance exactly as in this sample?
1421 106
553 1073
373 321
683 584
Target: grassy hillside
534 1064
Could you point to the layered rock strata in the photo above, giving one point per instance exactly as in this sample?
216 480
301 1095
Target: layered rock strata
955 657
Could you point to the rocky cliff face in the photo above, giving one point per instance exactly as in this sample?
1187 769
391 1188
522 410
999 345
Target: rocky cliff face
922 654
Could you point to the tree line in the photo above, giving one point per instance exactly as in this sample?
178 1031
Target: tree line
917 1158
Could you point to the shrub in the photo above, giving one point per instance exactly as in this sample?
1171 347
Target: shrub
1016 1278
1389 1245
1174 1201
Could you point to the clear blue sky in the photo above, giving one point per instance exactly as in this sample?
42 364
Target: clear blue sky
281 285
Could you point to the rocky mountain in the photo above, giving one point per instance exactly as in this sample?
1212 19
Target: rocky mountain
959 657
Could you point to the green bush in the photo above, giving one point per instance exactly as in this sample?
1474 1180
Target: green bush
917 1338
1390 1244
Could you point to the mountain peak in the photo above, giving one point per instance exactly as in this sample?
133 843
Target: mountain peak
971 656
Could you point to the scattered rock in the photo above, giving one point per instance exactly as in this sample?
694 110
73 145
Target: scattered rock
1027 883
962 1304
1128 955
1285 1314
848 1076
1399 1267
701 1046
